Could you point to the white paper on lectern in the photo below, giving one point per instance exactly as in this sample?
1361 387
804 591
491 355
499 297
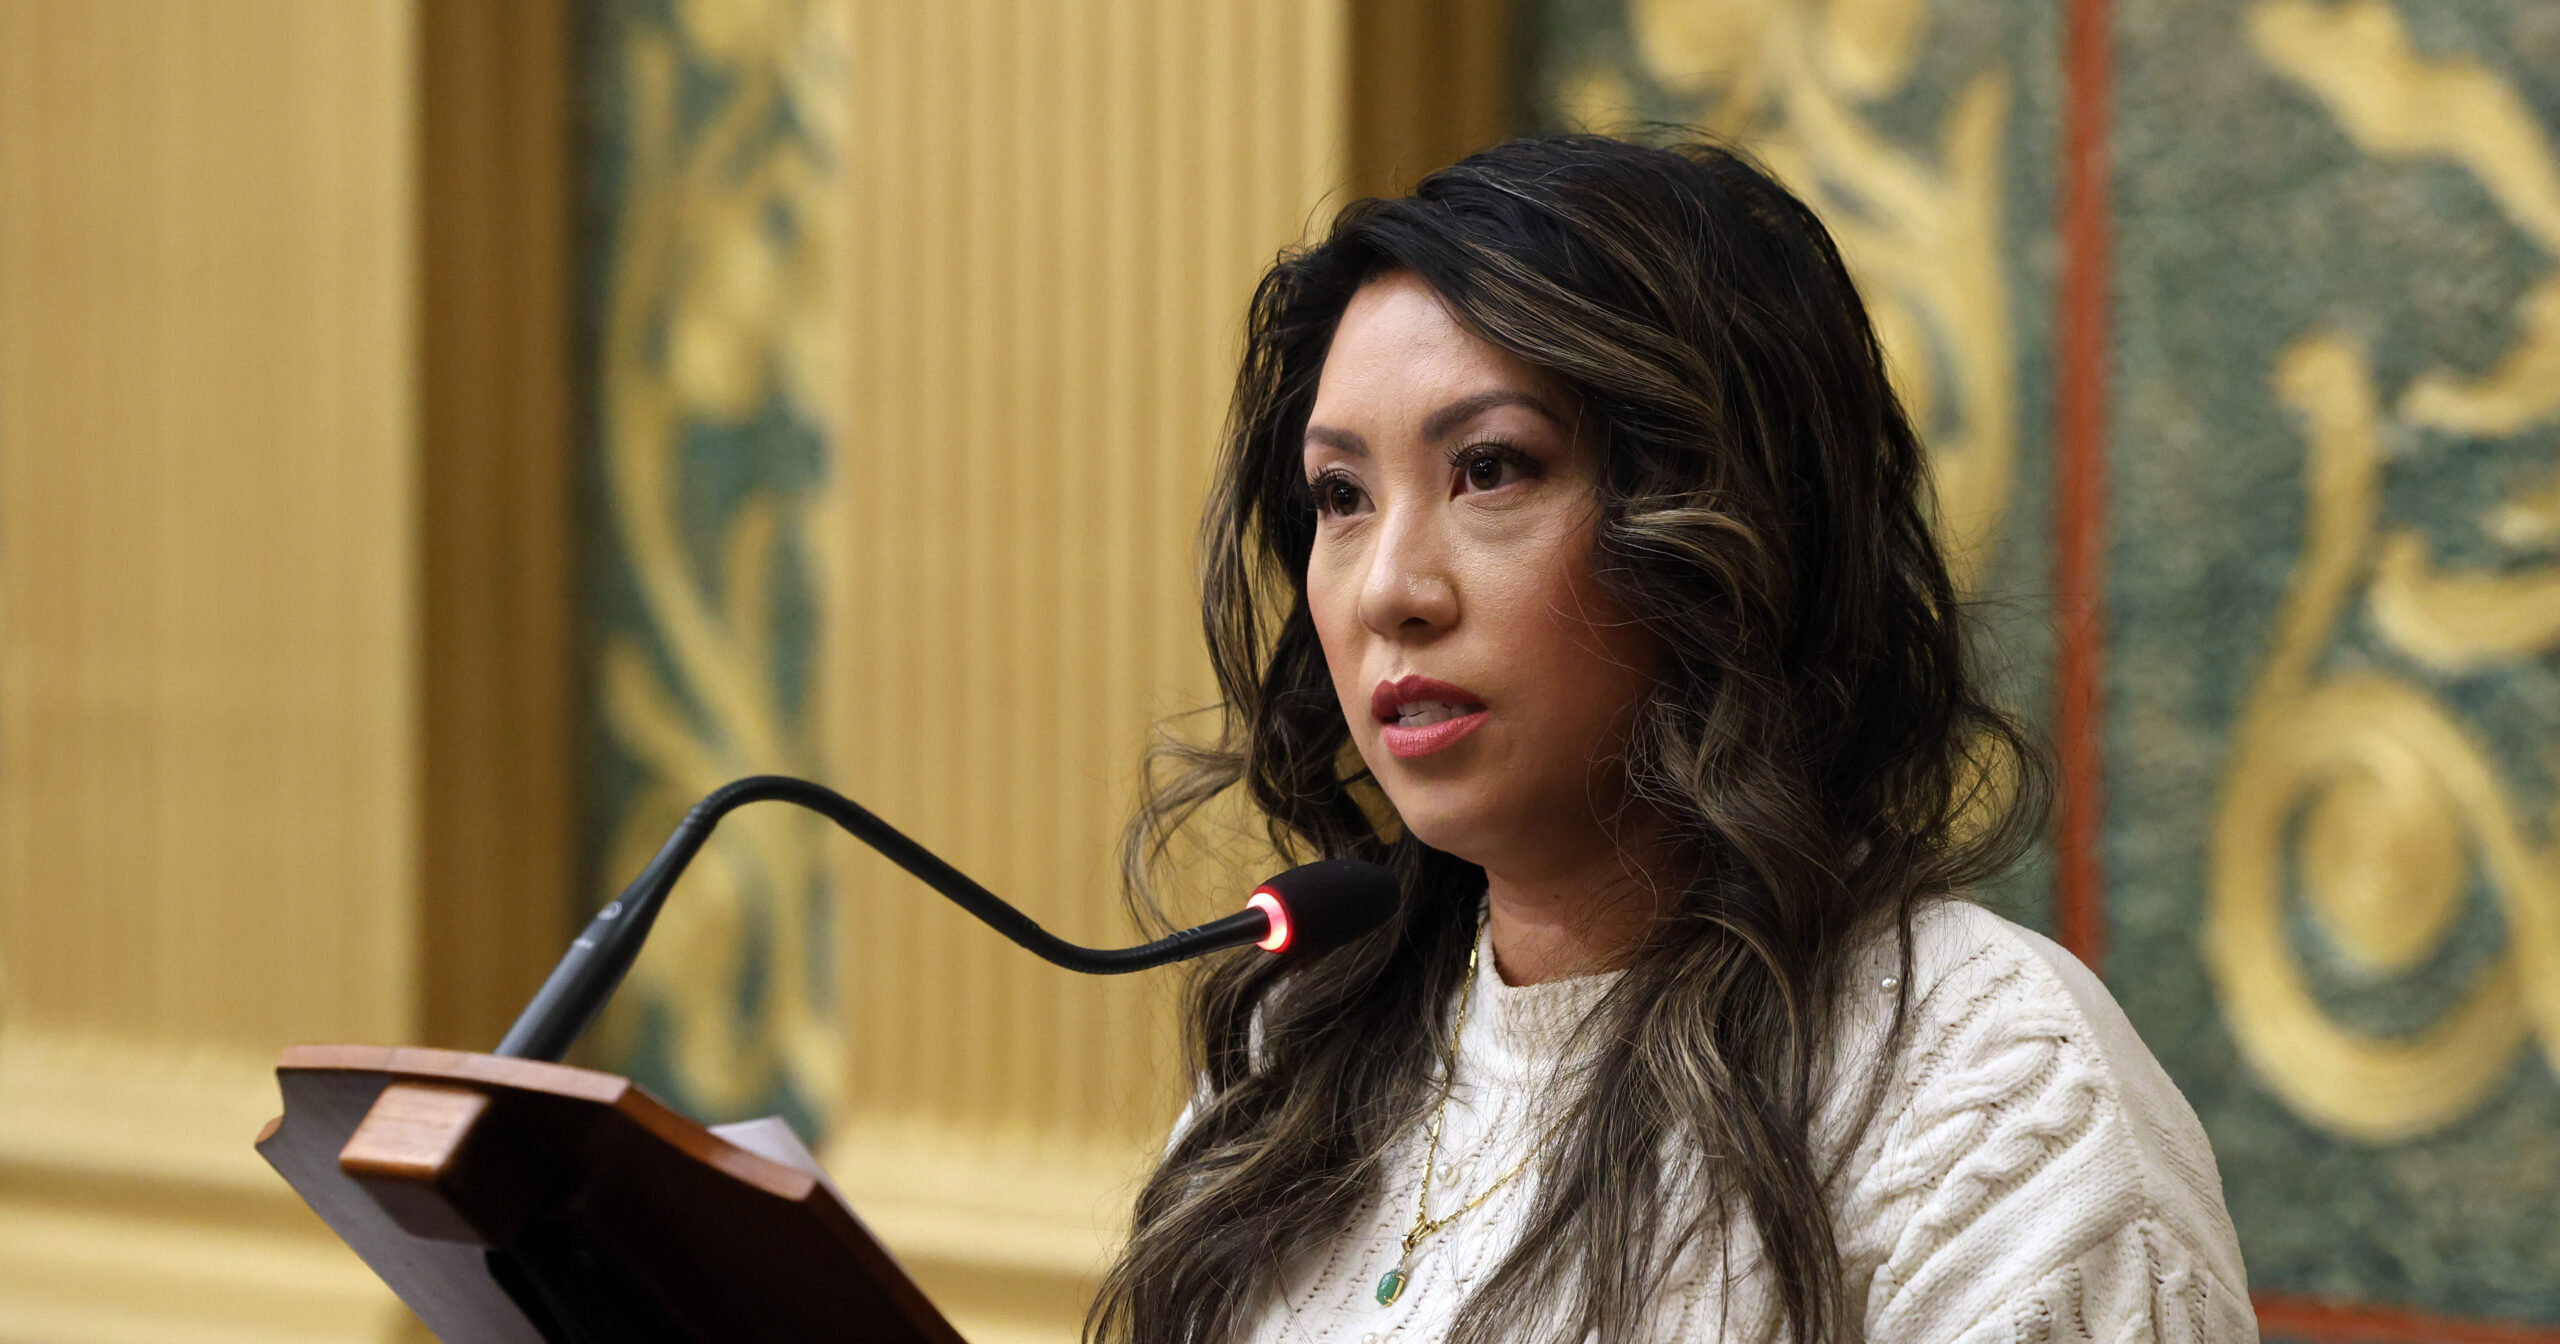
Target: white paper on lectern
773 1139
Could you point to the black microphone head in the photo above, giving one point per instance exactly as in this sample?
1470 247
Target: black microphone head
1317 907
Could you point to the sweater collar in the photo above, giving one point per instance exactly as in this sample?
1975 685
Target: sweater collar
1523 1032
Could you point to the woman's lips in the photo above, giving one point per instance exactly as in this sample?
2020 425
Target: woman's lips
1419 715
1408 743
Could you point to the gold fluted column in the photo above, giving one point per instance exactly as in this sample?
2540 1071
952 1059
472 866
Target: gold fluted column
1430 83
1061 211
282 575
495 560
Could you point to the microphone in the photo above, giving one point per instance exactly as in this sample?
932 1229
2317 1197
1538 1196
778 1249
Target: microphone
1303 913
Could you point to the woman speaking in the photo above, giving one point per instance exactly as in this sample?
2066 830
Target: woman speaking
1570 555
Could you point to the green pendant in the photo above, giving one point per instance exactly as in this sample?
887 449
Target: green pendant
1390 1286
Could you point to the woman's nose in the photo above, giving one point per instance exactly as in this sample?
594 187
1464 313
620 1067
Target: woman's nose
1408 589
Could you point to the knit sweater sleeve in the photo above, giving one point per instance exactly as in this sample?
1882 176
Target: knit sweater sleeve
2032 1174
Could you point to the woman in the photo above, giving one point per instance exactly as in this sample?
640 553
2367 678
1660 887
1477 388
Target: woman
1570 554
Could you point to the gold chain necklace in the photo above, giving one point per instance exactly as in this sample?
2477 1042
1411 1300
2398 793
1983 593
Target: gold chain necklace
1392 1283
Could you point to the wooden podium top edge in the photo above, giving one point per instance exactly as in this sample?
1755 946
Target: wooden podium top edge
461 1066
421 1064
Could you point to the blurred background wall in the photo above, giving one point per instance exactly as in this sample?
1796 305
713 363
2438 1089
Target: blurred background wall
439 439
284 619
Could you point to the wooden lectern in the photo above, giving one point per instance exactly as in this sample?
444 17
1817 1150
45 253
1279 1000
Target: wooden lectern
509 1201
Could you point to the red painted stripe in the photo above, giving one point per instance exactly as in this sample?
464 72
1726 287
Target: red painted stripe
2354 1323
2080 504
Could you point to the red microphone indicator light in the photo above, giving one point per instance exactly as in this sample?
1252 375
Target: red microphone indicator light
1267 901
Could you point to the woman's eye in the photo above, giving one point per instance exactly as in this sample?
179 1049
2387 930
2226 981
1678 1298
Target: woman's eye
1489 470
1335 496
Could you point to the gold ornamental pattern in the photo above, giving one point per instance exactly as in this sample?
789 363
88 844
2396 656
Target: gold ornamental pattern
720 316
2354 786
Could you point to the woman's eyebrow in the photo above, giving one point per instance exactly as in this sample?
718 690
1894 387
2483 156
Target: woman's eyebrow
1340 440
1447 419
1442 423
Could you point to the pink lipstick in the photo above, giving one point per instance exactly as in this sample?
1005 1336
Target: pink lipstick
1418 715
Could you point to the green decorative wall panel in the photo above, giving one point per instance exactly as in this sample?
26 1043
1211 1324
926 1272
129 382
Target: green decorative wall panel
714 140
2335 625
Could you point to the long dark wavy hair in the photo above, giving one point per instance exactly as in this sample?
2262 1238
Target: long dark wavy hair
1817 747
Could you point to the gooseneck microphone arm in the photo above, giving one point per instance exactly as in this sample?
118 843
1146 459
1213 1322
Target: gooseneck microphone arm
595 964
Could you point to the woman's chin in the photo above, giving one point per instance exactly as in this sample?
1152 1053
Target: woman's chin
1452 827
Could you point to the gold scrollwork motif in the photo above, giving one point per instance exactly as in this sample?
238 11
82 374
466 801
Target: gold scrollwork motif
720 300
1788 78
2360 789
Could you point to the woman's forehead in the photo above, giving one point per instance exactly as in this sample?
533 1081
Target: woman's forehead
1400 355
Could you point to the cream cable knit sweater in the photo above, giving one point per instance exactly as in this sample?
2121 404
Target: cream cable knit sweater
2032 1175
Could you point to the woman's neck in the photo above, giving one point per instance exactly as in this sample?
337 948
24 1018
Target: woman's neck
1575 922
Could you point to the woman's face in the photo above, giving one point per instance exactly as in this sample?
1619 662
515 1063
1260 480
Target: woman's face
1487 680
